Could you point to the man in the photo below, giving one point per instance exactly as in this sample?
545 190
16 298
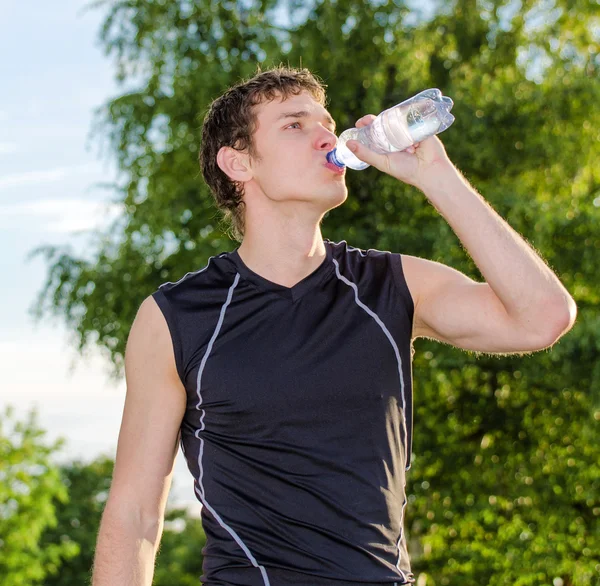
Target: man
284 367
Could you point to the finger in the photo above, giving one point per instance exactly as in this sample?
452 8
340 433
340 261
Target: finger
365 120
365 154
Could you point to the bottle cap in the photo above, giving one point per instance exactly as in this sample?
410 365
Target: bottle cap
331 158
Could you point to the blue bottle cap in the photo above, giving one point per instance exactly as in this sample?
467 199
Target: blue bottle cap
331 158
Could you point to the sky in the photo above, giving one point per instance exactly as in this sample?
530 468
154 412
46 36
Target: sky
54 75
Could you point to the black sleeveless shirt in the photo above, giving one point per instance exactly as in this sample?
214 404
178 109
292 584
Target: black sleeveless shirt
299 418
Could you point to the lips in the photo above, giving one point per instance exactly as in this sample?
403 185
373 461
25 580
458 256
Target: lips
337 170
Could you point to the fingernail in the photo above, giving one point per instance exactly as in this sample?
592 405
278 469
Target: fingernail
352 147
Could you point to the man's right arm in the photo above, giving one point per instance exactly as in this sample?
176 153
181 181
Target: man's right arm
132 521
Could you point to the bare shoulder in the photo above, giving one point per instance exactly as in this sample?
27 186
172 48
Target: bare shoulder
430 284
149 332
154 408
150 368
422 275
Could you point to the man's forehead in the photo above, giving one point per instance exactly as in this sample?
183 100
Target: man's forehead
274 109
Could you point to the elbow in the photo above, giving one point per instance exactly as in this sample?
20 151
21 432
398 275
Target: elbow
557 318
565 314
571 313
131 519
151 528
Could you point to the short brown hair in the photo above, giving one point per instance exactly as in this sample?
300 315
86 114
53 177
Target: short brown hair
231 121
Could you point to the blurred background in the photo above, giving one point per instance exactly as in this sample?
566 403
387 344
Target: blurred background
101 200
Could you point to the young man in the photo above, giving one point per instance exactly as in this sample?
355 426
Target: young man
285 366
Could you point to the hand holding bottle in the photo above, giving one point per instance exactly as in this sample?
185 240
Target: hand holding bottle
412 166
396 130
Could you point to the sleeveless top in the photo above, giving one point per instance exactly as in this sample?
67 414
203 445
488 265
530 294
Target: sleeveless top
298 423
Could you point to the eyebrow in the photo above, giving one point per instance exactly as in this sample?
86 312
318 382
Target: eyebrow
304 114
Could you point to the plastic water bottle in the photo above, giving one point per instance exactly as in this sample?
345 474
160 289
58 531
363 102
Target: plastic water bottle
397 128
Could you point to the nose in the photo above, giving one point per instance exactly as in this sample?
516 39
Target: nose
326 140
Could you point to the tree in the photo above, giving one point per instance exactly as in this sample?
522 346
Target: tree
30 489
180 557
78 520
498 440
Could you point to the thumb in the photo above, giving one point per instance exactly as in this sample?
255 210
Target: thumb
354 146
365 154
361 151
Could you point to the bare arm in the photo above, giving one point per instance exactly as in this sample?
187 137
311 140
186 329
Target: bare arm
520 289
132 521
522 306
452 308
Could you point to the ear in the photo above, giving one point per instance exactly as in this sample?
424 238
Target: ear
234 164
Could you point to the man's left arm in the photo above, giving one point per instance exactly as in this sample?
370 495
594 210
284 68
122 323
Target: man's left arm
521 307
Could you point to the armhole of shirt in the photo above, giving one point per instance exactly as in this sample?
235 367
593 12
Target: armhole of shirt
167 311
400 281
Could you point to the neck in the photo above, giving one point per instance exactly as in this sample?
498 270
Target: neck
283 253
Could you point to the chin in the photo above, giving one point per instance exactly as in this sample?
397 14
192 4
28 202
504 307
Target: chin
323 199
336 198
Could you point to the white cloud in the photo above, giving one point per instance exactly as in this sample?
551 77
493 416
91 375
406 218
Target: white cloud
7 148
34 108
59 371
31 177
64 215
82 405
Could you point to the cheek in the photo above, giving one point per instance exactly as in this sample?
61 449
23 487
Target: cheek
286 171
277 180
288 174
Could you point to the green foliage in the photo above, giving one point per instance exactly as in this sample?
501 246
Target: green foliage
180 557
78 519
30 487
505 481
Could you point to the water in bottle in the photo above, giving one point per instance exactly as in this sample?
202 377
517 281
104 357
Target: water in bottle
397 128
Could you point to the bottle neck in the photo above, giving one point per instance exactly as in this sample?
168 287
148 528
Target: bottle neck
332 158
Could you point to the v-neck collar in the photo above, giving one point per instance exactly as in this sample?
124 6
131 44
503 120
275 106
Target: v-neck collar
299 289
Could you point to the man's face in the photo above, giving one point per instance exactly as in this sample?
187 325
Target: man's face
292 140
